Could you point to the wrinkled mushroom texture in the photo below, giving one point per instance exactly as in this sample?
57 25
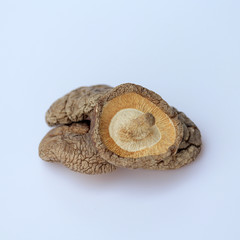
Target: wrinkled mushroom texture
76 105
133 126
71 145
189 148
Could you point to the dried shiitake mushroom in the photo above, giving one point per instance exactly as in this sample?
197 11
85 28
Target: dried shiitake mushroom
134 127
128 126
71 145
76 105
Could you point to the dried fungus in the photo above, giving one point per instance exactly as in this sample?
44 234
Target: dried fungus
76 105
71 145
128 126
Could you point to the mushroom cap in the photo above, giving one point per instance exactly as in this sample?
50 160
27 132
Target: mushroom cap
75 106
130 126
124 107
189 147
71 145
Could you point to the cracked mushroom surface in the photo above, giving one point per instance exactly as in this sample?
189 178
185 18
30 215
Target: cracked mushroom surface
189 147
134 127
71 145
127 126
75 106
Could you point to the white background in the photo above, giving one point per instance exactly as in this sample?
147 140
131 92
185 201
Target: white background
187 51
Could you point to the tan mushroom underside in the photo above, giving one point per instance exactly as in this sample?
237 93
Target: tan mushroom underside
120 112
126 117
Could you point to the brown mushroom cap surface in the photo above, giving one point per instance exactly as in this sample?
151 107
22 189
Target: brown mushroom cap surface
128 126
75 106
189 147
71 145
131 98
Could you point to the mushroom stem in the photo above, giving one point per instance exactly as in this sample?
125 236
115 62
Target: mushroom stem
138 128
